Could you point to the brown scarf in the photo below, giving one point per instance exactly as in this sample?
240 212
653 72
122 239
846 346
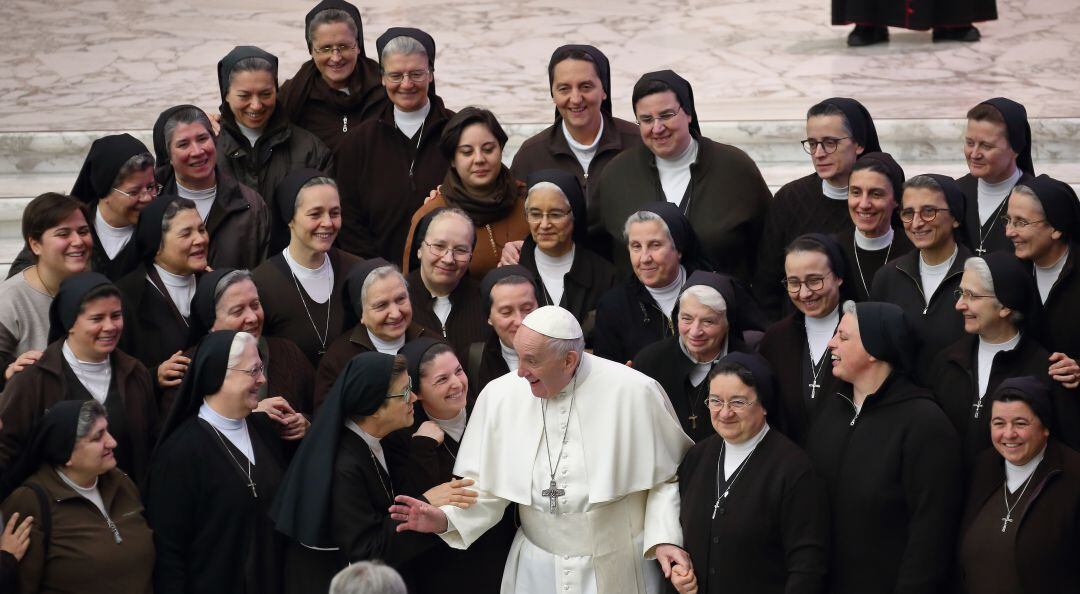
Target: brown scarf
308 82
493 205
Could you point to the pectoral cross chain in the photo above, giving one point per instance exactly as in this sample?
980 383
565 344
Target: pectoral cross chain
553 493
813 388
1006 521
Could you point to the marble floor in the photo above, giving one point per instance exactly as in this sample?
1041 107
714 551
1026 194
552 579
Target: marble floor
115 64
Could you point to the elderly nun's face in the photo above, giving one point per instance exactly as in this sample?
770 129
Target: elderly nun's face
443 386
193 155
510 303
239 308
445 253
810 268
407 95
702 329
387 311
317 219
652 254
252 96
578 94
742 415
987 151
1036 239
97 328
849 358
93 454
334 51
239 393
1016 432
396 411
478 158
130 196
551 221
184 245
983 314
870 202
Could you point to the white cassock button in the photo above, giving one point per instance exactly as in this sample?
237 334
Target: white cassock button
564 471
566 587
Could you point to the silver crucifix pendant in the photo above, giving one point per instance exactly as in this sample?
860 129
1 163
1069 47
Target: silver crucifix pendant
553 493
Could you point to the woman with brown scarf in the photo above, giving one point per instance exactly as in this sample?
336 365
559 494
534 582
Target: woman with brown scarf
479 184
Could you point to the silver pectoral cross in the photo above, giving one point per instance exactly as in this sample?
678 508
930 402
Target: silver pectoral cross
251 484
1006 521
813 388
980 250
553 493
978 407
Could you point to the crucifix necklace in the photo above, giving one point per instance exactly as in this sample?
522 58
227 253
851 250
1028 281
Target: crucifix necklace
980 251
553 492
247 471
815 369
389 492
858 265
326 329
1005 521
727 489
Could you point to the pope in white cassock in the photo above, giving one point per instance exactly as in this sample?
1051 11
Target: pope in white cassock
589 457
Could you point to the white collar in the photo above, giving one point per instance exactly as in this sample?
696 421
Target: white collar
1056 267
390 347
1016 475
583 147
86 366
509 355
873 244
454 427
747 446
175 280
104 228
412 118
682 161
997 347
832 192
564 260
666 297
941 268
373 443
210 192
219 420
824 324
1000 187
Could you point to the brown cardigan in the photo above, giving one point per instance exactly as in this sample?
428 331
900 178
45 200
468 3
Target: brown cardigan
485 257
347 346
83 555
32 391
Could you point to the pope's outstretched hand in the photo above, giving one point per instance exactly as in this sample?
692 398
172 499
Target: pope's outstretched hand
417 516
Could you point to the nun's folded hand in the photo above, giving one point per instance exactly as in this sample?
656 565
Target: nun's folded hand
511 253
24 360
1064 370
431 430
171 371
452 493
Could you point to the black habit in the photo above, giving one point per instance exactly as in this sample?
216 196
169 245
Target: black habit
485 363
991 236
345 347
1060 332
894 476
154 330
919 15
770 534
467 322
590 276
861 265
627 320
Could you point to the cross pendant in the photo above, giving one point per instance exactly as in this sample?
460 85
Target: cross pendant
252 486
1006 521
979 250
978 407
553 493
715 507
693 420
813 388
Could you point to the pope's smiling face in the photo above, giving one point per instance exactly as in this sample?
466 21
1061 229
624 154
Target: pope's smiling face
540 364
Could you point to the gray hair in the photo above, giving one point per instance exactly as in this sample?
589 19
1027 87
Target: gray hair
923 182
327 17
136 164
252 64
452 212
707 296
402 46
978 266
849 308
240 342
89 413
378 274
188 115
367 577
311 183
561 347
171 210
229 280
1027 191
546 185
645 216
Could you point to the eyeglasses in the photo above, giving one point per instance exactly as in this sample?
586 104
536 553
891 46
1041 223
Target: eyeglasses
926 213
663 117
254 372
537 216
404 396
150 190
342 49
794 285
1018 223
969 296
735 404
439 250
810 145
416 76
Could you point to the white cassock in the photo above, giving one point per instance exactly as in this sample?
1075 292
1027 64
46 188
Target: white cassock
618 470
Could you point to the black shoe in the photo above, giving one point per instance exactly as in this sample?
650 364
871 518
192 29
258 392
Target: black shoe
867 35
967 34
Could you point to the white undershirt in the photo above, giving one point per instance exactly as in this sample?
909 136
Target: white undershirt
933 274
1046 277
992 195
234 430
181 289
583 152
675 173
442 308
95 377
112 239
832 192
553 270
700 370
454 427
873 244
736 453
251 134
1016 475
390 347
509 355
372 442
91 493
987 350
410 121
203 199
819 331
318 282
667 297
